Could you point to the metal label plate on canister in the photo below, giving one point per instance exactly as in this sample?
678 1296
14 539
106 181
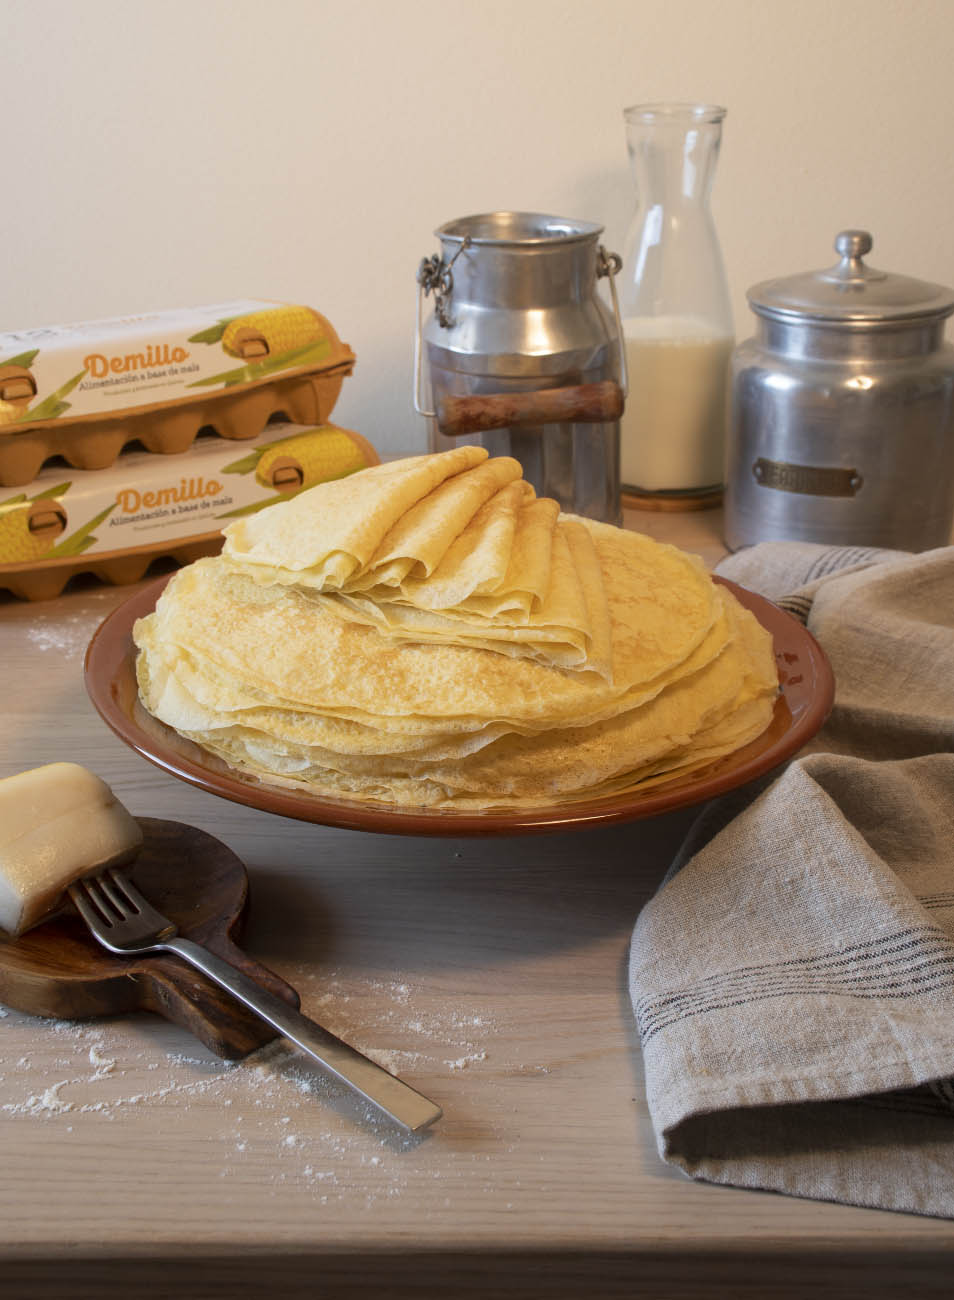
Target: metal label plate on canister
808 480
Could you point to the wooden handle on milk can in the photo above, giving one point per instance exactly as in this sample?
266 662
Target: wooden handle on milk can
586 403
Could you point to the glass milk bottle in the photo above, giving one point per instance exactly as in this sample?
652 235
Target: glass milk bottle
677 321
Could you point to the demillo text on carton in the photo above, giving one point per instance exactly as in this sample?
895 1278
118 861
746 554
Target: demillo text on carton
131 500
99 365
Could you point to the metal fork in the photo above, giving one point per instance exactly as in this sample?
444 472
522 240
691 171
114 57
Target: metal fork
124 922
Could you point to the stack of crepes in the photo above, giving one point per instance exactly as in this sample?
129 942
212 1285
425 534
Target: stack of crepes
428 632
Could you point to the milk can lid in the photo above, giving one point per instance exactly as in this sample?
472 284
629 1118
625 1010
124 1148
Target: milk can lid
851 293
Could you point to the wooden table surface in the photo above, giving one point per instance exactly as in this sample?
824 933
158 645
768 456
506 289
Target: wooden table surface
491 974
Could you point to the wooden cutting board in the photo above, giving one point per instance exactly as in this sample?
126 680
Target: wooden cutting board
59 970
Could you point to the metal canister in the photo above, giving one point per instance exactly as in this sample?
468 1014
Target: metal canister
523 356
841 422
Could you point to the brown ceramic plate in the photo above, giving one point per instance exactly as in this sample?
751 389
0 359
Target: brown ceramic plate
804 702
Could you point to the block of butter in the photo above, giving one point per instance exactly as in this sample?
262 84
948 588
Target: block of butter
84 391
57 823
66 521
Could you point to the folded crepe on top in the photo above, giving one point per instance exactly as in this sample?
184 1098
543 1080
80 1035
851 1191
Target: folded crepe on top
430 633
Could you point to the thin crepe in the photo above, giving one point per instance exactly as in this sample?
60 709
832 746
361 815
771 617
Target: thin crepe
431 633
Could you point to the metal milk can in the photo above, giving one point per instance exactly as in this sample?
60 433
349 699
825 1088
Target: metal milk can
523 357
841 422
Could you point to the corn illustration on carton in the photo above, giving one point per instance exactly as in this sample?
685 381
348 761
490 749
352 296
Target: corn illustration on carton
115 521
272 332
300 460
26 534
33 527
83 391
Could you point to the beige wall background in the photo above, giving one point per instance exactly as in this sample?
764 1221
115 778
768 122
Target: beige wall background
189 151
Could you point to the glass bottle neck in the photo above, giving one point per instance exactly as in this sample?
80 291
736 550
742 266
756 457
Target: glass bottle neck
673 162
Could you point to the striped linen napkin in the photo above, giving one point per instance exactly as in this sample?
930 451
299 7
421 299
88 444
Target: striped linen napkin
793 978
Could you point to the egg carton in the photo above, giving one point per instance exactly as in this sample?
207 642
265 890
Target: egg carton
117 568
85 392
115 522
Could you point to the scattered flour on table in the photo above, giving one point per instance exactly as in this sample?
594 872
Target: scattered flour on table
67 635
49 1102
462 1062
104 1064
274 1111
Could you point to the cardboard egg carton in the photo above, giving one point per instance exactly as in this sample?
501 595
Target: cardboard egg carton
83 392
115 522
118 570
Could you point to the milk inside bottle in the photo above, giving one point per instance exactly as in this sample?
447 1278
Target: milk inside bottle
672 433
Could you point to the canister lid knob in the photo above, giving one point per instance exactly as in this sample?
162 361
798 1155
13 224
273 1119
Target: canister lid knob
853 244
851 270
